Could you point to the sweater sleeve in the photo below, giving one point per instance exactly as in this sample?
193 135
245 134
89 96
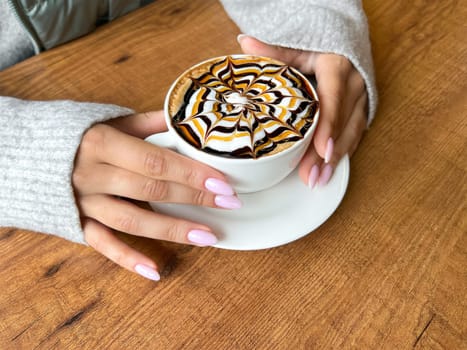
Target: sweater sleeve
38 143
15 44
332 26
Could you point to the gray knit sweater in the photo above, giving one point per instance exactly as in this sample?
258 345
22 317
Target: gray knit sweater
39 140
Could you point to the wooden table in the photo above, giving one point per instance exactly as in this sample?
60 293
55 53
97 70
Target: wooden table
387 270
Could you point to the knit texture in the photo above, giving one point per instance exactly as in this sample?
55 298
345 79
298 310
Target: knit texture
15 45
38 142
332 26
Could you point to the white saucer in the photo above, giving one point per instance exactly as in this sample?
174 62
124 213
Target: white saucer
270 218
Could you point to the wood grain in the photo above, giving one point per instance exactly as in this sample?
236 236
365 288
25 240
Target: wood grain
387 271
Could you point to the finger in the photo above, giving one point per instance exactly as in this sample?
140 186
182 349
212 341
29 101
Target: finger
126 217
353 132
348 140
102 239
309 167
302 60
354 90
141 125
108 179
332 74
109 145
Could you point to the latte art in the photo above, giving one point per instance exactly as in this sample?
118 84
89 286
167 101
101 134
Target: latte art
243 107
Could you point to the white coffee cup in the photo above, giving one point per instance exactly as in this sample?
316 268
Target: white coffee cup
246 175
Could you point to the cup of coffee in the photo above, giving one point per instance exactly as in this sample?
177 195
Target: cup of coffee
250 117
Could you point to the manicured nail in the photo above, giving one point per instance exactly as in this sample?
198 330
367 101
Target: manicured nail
147 272
313 177
228 202
202 238
217 186
325 174
240 38
329 150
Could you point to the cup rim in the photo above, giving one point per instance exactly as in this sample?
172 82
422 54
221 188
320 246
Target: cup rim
309 133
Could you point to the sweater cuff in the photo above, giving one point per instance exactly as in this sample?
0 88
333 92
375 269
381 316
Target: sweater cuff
338 27
38 142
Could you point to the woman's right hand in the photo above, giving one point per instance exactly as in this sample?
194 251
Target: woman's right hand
114 163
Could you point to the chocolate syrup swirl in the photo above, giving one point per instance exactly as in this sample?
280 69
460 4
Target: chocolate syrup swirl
245 108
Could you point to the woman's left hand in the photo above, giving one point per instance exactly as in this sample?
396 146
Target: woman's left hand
343 106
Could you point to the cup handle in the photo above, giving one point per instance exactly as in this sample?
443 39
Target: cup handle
162 139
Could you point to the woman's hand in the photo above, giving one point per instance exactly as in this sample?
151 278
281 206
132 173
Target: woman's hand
343 106
113 163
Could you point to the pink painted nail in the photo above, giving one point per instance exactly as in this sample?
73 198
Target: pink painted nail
147 272
325 174
202 238
329 150
228 202
313 177
218 187
240 37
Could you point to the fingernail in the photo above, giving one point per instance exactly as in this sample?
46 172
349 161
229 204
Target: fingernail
218 187
313 177
202 238
240 37
228 202
325 174
329 150
147 272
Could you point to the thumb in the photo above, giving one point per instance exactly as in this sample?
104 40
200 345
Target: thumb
253 46
141 125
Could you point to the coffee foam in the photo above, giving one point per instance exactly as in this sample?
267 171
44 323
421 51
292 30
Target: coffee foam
242 107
